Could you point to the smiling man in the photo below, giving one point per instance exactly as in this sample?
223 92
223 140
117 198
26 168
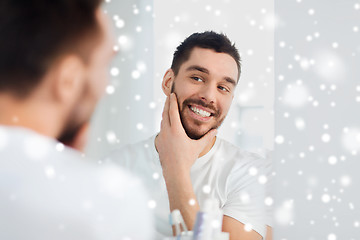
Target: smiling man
186 163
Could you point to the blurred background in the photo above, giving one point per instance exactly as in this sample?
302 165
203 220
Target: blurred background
317 119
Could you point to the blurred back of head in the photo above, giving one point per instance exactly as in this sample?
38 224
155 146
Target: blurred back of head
34 34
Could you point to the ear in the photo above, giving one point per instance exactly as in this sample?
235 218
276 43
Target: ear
69 78
168 81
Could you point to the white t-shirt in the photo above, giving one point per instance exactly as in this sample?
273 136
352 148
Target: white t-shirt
225 172
48 191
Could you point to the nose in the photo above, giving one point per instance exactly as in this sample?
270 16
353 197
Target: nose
208 93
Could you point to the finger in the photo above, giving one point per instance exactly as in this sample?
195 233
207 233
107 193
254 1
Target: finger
161 124
174 112
165 114
207 138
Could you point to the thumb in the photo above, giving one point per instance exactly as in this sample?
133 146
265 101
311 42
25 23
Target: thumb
207 138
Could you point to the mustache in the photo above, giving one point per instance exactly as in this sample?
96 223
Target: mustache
199 102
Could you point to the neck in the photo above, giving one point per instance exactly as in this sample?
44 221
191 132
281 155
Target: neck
39 116
204 151
208 147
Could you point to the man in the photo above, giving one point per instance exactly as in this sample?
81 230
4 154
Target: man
54 58
186 163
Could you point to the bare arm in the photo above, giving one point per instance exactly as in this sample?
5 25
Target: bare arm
177 154
237 231
182 197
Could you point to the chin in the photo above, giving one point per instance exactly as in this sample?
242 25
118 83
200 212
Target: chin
194 134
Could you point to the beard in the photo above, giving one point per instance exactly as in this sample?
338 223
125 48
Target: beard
70 133
71 130
192 126
78 117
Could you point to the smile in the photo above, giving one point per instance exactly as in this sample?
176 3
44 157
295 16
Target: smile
200 112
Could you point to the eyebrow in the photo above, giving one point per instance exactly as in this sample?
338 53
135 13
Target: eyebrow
204 70
197 68
231 81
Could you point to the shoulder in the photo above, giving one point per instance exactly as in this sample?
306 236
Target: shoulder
87 190
240 158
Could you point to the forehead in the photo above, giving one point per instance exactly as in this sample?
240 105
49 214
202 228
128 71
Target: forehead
221 64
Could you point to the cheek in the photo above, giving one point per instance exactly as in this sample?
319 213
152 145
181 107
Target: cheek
226 105
98 79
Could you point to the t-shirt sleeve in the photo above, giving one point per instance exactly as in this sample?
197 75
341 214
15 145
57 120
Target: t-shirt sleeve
245 190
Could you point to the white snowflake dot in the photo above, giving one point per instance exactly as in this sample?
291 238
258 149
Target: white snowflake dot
206 189
248 227
110 89
325 138
309 197
152 105
279 139
245 197
152 204
331 236
148 8
49 172
300 123
192 202
269 201
60 147
111 137
262 179
137 97
139 126
326 198
135 74
120 23
253 171
332 160
345 181
114 71
356 224
156 175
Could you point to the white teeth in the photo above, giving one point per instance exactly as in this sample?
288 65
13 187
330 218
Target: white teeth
200 112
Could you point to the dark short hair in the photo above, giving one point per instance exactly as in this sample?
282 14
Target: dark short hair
35 33
218 42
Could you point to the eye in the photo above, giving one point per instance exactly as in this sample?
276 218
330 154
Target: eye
224 89
197 79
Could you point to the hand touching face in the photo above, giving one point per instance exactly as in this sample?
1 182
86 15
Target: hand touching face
204 87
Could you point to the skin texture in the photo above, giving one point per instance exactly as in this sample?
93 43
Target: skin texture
67 95
210 82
